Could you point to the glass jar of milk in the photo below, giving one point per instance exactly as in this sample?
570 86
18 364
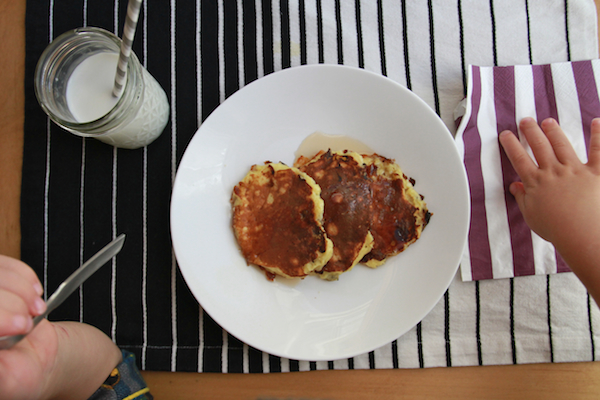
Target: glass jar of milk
74 81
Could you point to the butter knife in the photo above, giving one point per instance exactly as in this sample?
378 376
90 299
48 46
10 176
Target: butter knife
65 289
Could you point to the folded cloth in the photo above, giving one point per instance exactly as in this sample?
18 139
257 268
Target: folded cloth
500 244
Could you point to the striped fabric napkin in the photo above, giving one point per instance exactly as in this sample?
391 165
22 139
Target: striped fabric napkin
500 244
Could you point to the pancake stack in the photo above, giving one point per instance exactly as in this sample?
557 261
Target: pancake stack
326 214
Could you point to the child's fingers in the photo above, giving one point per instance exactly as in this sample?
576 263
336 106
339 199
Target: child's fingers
14 324
560 143
539 143
19 267
519 158
594 150
18 285
14 316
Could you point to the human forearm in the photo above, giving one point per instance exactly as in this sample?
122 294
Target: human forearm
85 358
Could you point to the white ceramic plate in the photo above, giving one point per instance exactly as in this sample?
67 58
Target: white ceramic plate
312 319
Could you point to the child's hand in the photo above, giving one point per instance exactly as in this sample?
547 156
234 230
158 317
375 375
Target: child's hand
20 300
24 367
560 196
63 360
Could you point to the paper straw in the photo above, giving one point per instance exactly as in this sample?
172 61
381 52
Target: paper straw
133 12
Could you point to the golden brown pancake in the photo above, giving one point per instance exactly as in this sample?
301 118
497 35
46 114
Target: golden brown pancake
277 220
345 189
399 213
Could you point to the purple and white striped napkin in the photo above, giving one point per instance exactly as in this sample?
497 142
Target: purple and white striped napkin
500 244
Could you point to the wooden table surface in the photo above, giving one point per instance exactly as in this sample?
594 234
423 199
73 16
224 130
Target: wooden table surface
534 381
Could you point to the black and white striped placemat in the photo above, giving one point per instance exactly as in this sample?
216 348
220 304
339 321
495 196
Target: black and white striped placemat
78 193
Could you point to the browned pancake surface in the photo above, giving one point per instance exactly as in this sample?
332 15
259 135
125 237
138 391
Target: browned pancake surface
345 189
398 214
276 221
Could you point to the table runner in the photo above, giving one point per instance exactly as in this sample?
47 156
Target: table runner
79 193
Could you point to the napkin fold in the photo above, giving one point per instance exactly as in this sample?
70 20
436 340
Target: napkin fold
500 244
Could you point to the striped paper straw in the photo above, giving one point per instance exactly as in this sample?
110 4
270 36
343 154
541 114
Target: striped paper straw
133 12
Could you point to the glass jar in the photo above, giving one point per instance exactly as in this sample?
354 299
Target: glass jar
133 120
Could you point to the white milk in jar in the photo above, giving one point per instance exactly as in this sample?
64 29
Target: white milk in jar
89 97
74 82
89 89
